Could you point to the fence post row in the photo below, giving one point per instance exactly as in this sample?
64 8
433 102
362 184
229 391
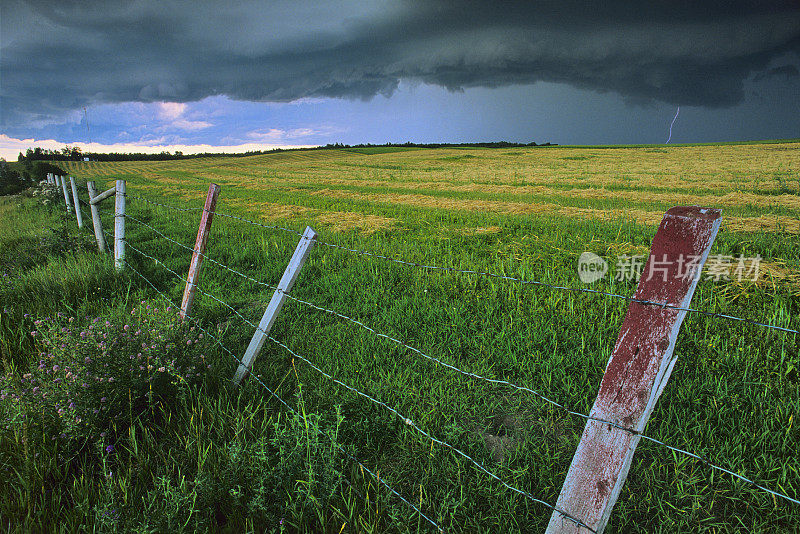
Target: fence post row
78 214
66 195
637 371
119 225
276 303
199 249
98 225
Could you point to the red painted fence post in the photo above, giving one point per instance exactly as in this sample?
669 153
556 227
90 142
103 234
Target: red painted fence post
199 249
637 371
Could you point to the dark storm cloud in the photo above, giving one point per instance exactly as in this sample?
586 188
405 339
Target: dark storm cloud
60 55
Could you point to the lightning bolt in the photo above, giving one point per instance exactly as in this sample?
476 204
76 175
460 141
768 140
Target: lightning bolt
672 123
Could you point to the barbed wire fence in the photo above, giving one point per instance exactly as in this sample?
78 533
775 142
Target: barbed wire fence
469 374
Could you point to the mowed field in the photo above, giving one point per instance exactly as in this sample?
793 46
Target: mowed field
756 184
734 395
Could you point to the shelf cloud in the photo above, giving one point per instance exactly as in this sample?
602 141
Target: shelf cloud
58 56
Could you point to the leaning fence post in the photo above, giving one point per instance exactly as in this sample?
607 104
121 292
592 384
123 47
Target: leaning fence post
119 225
66 195
637 371
98 225
78 214
199 249
276 303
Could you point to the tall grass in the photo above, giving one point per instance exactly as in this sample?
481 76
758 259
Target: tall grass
206 457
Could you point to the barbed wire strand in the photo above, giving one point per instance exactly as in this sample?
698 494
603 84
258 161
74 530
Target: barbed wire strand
499 276
390 338
406 420
276 396
143 199
562 288
480 377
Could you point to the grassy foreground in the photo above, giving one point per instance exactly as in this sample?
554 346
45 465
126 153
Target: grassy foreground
171 448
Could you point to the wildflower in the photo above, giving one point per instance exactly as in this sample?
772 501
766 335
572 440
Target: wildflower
126 328
56 368
103 399
33 333
110 448
102 434
161 369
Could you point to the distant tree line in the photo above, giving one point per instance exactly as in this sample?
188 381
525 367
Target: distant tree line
492 144
74 153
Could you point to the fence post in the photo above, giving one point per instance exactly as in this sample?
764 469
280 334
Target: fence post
637 371
55 180
98 225
199 249
66 195
78 214
119 225
276 303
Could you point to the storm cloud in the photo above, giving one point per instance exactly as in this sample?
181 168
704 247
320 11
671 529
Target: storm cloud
58 56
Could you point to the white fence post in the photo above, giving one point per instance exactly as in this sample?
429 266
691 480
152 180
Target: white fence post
276 303
98 225
119 225
637 371
199 249
78 214
66 195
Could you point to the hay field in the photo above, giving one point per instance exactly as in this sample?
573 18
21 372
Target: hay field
757 185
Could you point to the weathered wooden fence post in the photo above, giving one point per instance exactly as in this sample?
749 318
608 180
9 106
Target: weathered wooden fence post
96 222
199 249
66 195
55 179
119 225
78 214
637 371
276 303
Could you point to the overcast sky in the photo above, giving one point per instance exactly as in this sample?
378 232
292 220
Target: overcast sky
224 74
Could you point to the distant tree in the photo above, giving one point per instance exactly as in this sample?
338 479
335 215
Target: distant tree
11 182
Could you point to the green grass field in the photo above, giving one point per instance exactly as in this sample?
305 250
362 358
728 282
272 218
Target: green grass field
188 453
